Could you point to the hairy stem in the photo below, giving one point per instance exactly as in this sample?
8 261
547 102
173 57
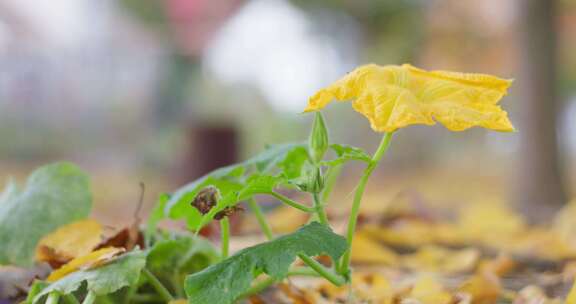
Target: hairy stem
265 283
225 237
320 211
321 270
353 219
70 299
331 178
292 203
90 297
253 205
53 298
157 285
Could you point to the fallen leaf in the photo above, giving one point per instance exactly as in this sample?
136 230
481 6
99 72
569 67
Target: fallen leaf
366 250
427 290
439 259
286 219
483 289
571 298
68 242
490 223
89 261
131 236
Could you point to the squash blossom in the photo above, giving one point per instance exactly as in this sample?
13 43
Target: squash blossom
392 97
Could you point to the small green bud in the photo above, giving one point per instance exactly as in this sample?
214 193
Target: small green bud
318 141
312 181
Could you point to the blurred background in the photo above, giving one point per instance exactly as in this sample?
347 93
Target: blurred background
162 91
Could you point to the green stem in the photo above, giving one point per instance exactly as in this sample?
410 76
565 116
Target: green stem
225 237
331 177
70 299
265 283
382 148
157 285
253 205
303 271
258 287
320 211
130 293
90 297
53 297
292 203
146 298
321 270
176 280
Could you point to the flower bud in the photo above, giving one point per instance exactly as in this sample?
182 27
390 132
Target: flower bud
318 141
312 181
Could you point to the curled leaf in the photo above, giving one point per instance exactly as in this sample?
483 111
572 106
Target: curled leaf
68 242
91 260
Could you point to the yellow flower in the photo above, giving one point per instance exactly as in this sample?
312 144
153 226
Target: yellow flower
393 97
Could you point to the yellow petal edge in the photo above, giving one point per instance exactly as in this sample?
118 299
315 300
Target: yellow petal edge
392 97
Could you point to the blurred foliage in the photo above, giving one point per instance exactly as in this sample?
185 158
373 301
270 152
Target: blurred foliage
151 13
391 29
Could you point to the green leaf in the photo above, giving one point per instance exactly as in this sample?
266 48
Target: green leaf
228 180
274 154
346 153
258 184
35 289
103 280
225 179
223 282
292 164
182 255
54 195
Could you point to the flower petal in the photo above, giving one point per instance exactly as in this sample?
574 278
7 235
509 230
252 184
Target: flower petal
393 97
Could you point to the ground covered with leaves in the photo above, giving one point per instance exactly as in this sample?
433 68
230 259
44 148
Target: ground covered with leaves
409 251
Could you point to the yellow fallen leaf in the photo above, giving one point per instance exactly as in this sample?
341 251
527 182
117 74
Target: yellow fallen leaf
366 250
68 242
571 298
499 266
439 259
565 225
482 288
373 288
366 287
410 233
91 260
286 219
179 301
489 223
429 291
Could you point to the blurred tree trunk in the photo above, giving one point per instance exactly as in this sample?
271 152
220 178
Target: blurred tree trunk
539 189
